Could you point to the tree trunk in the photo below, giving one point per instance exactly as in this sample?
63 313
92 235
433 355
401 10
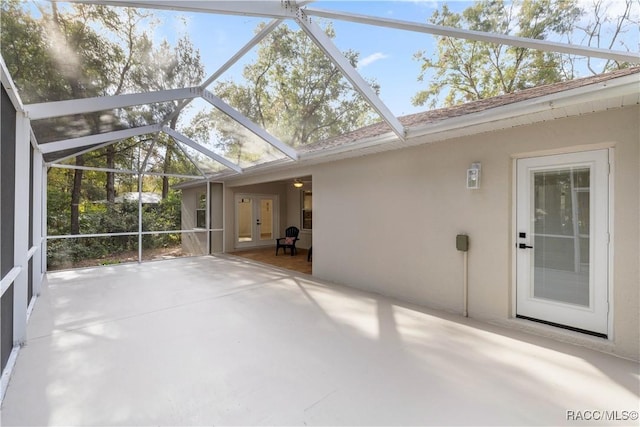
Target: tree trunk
167 163
165 169
76 92
75 196
111 182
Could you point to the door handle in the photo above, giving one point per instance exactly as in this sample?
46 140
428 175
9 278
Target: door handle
524 246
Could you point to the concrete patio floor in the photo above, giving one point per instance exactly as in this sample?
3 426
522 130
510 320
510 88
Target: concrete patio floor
226 341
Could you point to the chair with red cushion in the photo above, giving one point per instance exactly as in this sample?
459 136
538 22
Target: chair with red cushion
289 241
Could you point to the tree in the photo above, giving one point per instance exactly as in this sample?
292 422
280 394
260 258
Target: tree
604 29
168 67
293 90
462 70
82 57
132 46
26 54
470 70
81 51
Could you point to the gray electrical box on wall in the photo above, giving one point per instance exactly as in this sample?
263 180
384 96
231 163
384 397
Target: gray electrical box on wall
462 242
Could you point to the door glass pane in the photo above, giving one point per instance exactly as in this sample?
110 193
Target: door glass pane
245 220
307 212
561 219
266 219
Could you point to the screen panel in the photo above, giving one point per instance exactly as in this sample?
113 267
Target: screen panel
6 330
31 213
7 183
30 282
83 252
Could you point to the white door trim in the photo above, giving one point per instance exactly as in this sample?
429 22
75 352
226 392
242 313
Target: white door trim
542 160
256 197
610 330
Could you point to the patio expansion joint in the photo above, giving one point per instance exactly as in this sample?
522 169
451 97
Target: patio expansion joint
320 400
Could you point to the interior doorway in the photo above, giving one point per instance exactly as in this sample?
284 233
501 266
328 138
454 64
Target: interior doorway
256 219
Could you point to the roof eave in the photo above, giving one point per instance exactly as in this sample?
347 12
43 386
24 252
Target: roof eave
494 119
502 116
518 113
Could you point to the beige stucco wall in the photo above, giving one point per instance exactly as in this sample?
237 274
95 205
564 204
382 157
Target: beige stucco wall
294 214
192 243
387 222
196 243
217 217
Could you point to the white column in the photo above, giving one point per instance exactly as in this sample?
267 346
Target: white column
140 181
43 219
37 220
224 218
208 218
21 228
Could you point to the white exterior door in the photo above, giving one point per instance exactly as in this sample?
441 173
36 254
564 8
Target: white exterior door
562 240
256 220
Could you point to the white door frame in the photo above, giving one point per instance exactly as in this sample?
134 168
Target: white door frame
609 223
255 242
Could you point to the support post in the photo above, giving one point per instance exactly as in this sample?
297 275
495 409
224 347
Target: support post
140 182
44 210
21 228
208 218
38 189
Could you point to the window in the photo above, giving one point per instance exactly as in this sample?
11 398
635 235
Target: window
306 210
201 211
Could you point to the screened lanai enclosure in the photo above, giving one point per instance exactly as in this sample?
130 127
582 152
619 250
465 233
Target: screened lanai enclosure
131 130
101 137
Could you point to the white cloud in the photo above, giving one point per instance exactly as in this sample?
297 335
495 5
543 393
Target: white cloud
432 4
368 60
611 10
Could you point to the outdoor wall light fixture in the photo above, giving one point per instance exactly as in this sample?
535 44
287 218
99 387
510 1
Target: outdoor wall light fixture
473 176
297 183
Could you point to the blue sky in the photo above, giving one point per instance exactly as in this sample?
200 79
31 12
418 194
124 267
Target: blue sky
385 55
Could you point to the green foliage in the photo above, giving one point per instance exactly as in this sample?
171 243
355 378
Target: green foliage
293 90
606 30
65 253
99 218
470 70
165 216
78 51
25 52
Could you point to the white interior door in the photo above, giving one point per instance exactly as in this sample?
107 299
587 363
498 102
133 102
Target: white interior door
256 220
563 239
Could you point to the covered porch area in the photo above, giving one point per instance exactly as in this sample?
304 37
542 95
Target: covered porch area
300 263
221 340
